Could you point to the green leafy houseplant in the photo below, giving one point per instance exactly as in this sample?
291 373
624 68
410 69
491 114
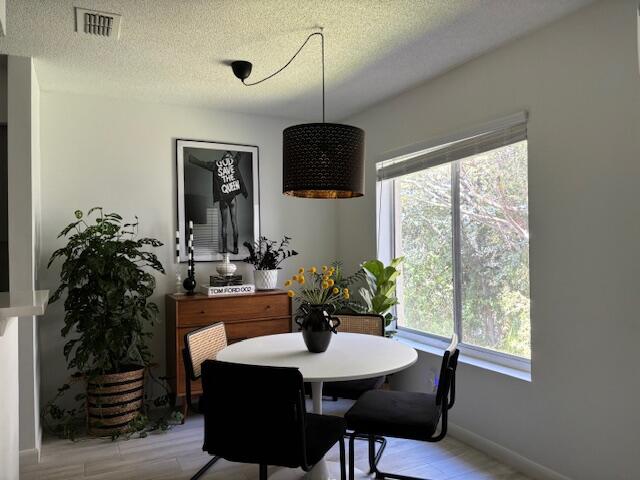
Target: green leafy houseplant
379 294
266 254
106 274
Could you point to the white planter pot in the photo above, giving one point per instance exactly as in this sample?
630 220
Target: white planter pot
265 279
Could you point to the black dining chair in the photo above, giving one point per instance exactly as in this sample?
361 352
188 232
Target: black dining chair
366 324
199 345
256 414
409 415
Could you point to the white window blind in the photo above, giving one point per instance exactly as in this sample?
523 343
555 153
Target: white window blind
494 135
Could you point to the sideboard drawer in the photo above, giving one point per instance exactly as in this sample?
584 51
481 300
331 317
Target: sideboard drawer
241 330
202 312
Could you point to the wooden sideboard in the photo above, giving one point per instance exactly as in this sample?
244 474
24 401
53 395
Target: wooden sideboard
244 316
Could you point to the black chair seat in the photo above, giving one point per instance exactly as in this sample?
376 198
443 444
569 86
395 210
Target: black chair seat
410 415
323 431
352 389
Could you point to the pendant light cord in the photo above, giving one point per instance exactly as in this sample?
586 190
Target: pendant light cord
289 63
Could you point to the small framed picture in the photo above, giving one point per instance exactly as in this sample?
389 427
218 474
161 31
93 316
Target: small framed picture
218 190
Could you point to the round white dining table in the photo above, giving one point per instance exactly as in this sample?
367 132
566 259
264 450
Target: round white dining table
350 356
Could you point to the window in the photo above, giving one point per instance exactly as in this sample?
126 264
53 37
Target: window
458 213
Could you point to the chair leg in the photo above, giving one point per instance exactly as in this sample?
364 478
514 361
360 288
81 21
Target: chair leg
363 436
263 471
352 438
205 468
343 464
185 411
374 459
372 455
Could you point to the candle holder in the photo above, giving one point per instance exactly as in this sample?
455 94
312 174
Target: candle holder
189 283
178 284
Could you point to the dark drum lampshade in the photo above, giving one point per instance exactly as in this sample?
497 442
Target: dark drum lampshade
323 160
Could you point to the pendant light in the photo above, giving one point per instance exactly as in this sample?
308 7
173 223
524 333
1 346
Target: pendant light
319 160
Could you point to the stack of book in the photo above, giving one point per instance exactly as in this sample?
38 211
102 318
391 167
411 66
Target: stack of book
225 280
212 290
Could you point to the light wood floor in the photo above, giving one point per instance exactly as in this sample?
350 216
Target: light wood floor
177 455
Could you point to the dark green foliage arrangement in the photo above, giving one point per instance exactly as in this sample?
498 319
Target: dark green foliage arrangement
348 281
105 273
266 254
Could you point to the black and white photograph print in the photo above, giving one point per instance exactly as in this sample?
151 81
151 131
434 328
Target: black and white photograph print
218 190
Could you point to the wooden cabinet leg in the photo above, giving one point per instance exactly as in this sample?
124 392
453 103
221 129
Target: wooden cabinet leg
185 410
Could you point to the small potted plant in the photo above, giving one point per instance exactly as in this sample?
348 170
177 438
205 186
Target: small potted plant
319 297
266 256
106 275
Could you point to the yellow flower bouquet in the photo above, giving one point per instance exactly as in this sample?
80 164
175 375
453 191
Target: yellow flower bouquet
316 286
319 298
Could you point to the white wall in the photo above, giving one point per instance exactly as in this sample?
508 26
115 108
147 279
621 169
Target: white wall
120 154
23 160
9 434
9 402
3 17
579 80
30 431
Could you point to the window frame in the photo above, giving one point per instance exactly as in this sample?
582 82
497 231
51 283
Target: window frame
473 354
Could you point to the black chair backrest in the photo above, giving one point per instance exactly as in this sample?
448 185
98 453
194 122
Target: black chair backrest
202 344
445 394
254 414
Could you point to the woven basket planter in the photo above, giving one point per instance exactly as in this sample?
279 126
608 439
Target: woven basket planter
113 400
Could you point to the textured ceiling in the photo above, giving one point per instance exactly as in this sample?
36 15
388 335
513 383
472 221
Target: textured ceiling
175 51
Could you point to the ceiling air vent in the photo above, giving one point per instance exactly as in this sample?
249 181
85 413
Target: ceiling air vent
99 24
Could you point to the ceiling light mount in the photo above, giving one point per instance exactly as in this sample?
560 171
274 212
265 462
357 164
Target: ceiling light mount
241 69
319 160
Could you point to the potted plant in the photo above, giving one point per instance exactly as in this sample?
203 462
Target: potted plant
319 297
342 281
266 256
105 274
379 294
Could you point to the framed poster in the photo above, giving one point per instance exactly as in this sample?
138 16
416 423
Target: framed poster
218 190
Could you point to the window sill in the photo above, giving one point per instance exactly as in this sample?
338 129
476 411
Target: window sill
436 346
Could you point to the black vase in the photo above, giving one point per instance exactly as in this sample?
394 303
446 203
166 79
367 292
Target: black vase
317 325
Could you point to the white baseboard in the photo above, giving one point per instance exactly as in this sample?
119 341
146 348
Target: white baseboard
30 456
506 456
